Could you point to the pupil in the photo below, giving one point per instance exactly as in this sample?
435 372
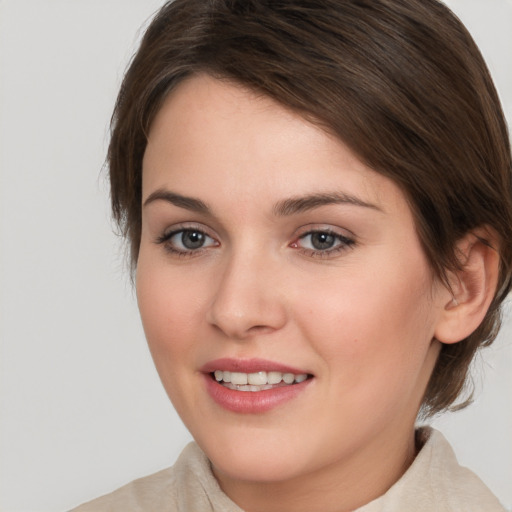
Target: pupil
321 241
192 239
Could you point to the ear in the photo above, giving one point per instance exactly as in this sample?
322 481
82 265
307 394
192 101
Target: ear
472 287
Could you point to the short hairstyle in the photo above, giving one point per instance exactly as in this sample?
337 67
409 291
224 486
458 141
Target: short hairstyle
400 82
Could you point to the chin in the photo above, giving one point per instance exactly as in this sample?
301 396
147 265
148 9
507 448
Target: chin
251 456
256 468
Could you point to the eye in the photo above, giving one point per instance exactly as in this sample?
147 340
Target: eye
322 242
186 241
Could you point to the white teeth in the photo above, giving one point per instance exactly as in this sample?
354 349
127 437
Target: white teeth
274 377
258 379
248 387
239 378
288 378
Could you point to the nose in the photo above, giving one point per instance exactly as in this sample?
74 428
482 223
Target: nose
247 300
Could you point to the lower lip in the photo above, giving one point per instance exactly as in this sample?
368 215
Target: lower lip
252 402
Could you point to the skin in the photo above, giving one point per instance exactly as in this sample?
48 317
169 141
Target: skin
360 317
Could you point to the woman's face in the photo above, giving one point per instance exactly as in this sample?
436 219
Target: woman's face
269 249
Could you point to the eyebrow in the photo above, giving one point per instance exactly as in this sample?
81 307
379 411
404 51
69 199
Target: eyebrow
188 203
284 208
302 204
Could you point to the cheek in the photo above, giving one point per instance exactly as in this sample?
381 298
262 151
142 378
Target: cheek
169 313
372 331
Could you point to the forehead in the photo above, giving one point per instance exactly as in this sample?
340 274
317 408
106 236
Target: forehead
217 136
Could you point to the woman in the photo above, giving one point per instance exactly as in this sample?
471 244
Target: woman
317 196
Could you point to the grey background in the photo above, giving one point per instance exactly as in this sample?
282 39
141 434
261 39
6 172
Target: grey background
81 408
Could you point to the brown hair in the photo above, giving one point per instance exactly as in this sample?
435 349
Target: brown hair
401 82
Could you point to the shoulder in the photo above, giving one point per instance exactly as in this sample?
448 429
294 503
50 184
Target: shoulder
436 481
145 493
456 487
188 485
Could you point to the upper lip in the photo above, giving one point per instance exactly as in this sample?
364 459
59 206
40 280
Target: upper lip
248 366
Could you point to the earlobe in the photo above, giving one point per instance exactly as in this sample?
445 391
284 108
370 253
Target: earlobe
472 288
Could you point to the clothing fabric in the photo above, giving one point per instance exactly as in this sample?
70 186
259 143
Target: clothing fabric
434 482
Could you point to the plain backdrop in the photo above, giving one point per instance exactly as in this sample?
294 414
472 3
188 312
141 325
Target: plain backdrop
81 408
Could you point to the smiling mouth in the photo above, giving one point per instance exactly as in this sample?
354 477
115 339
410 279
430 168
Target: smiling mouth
258 381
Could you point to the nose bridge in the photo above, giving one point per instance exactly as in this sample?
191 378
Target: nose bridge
247 298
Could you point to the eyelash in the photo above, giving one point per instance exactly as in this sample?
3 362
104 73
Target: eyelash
166 238
344 243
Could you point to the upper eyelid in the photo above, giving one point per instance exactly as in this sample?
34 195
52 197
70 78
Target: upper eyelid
300 232
324 228
347 240
165 241
185 226
345 243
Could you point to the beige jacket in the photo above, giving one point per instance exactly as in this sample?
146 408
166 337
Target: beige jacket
434 483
